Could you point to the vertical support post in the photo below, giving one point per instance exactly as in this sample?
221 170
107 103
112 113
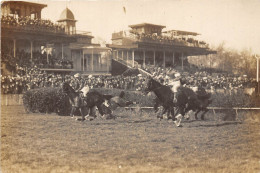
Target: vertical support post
99 61
144 58
257 75
87 63
257 69
32 50
92 60
47 53
133 58
182 60
83 60
154 58
173 59
14 47
117 54
127 57
62 51
163 58
122 54
198 57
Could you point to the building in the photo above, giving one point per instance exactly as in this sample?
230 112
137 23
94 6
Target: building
88 58
147 43
53 47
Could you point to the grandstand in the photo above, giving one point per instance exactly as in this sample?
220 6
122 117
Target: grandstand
146 44
28 40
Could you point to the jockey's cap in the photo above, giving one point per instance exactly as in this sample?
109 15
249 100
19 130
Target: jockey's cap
77 75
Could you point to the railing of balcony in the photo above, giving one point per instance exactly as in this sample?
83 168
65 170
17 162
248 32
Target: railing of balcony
32 25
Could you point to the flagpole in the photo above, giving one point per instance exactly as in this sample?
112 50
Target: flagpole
257 73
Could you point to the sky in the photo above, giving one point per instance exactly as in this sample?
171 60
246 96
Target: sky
233 22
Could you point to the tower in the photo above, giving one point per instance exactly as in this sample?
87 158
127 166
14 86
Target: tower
67 19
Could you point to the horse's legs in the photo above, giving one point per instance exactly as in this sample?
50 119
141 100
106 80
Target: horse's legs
82 115
180 112
100 110
172 113
87 112
163 112
92 111
196 117
156 105
205 111
72 112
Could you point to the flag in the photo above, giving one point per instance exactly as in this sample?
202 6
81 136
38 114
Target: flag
124 10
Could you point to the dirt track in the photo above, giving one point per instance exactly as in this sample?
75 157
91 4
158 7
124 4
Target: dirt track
134 142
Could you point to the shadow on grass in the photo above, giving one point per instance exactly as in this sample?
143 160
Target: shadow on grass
219 124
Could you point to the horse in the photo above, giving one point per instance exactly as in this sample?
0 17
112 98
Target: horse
164 96
200 104
93 99
195 101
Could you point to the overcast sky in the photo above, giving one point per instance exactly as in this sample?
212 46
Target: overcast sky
236 22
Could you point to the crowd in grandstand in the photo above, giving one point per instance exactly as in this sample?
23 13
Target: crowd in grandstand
40 59
168 39
32 24
203 78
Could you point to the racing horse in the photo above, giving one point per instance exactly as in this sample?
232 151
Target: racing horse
92 99
200 104
164 96
196 101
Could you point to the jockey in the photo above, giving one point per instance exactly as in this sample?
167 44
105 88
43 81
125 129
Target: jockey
77 84
176 84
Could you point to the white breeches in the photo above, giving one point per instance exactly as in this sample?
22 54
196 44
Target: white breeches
85 90
175 86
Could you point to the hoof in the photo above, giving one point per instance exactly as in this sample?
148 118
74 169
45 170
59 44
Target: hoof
178 120
80 119
72 116
89 118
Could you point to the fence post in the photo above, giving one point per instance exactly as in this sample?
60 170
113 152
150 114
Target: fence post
214 111
6 100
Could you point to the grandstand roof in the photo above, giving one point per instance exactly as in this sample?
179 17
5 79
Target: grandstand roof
66 15
146 24
24 3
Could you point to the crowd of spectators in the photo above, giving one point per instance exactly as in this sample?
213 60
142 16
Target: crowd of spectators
203 78
168 39
32 24
23 60
35 78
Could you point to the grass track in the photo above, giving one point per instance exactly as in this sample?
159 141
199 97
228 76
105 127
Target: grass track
134 142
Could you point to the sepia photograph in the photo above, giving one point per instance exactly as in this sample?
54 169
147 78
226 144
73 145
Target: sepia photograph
130 86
